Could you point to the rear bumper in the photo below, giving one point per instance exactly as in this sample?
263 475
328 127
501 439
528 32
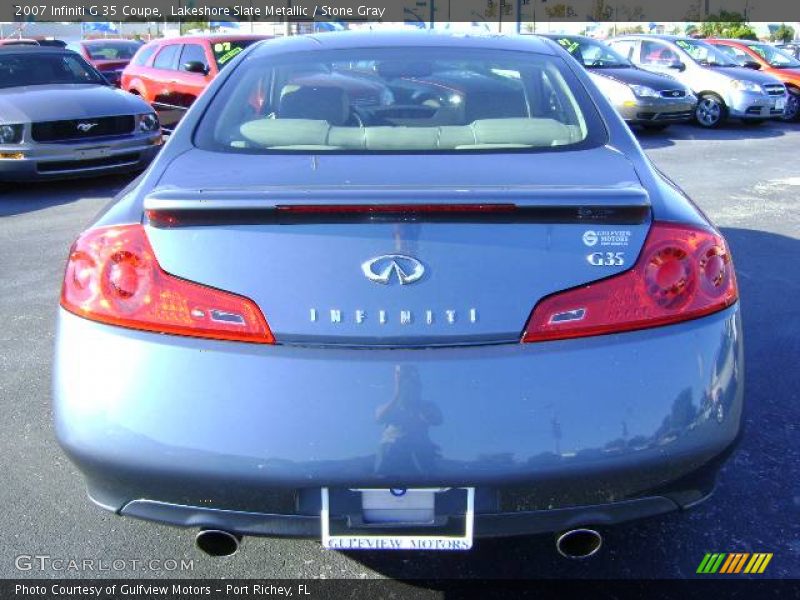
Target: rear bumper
242 437
486 525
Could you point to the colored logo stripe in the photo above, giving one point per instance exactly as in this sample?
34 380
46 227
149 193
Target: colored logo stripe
734 562
711 563
758 563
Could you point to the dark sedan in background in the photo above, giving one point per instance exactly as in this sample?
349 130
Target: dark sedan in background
110 57
650 100
60 118
401 325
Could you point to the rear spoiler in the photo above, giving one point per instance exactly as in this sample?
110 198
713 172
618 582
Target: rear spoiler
289 206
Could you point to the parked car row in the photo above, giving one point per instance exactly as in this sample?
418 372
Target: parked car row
724 87
652 81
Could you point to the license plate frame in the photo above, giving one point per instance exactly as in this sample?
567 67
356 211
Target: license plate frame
381 541
93 153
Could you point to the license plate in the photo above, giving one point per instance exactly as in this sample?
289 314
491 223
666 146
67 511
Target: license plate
398 511
780 103
90 153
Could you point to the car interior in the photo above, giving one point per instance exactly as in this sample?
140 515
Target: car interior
397 106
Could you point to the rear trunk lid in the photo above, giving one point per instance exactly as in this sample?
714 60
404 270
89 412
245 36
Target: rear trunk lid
392 260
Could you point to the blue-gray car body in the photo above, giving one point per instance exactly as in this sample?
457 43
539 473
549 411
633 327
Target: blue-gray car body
552 435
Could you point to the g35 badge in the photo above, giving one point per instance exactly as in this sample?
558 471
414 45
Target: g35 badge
606 259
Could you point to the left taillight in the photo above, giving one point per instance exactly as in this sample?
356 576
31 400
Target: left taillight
683 272
113 277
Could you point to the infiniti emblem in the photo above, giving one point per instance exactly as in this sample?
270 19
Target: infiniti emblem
382 269
85 127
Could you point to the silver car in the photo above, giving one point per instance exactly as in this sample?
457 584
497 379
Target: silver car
60 118
474 309
724 89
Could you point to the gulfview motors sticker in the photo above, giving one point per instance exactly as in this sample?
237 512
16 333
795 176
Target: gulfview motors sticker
734 562
607 237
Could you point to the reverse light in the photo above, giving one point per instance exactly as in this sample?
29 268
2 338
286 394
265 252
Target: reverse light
683 272
113 277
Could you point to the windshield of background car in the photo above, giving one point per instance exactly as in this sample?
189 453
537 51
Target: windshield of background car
705 54
45 69
775 57
225 51
112 50
593 54
410 99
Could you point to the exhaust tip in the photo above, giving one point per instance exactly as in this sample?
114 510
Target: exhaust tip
579 543
216 542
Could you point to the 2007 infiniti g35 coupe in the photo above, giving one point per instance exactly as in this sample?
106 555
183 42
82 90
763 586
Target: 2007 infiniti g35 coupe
399 290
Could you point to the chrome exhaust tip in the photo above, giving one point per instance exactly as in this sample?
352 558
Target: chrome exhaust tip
216 542
579 543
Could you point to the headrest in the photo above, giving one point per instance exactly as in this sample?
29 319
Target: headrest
319 103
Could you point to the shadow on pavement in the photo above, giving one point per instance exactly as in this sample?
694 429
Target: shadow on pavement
756 507
18 198
731 130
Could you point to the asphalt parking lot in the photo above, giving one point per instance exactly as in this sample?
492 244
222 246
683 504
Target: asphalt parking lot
745 178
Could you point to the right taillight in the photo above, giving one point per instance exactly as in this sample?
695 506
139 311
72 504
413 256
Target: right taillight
683 272
113 276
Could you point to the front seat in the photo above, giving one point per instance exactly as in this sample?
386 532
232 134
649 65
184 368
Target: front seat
319 103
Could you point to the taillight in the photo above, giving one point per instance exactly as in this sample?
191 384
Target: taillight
113 277
683 272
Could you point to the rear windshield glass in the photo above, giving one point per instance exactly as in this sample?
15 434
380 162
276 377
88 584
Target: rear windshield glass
112 50
400 100
45 69
226 51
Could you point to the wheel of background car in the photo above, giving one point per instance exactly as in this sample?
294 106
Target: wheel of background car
792 111
710 111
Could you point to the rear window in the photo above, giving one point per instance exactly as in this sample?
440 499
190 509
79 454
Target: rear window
401 100
112 50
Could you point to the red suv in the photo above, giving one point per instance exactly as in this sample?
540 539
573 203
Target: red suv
171 73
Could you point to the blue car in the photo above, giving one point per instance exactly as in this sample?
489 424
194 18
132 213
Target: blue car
451 302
